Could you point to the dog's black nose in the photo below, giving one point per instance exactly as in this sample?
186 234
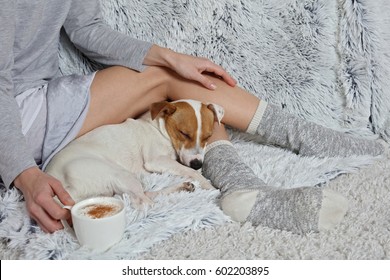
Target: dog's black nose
196 164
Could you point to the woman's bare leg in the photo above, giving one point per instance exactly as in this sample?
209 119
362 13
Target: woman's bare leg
118 93
240 105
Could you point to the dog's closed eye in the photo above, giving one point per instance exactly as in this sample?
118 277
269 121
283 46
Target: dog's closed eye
185 135
206 138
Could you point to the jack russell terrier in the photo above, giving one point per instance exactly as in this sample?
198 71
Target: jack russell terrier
109 159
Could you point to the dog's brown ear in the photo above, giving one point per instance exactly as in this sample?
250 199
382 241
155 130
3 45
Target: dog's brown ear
163 108
217 110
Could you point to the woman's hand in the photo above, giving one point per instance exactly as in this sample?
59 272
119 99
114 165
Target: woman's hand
39 189
187 66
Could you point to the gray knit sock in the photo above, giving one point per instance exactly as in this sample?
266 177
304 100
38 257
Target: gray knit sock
276 127
247 198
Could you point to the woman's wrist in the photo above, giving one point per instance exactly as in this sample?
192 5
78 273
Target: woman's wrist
26 176
159 56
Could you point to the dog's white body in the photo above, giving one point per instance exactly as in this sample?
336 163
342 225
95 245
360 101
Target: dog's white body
110 159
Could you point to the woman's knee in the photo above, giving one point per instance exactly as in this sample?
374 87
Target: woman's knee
121 81
128 93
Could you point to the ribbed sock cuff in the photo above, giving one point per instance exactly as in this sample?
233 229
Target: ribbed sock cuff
255 122
216 144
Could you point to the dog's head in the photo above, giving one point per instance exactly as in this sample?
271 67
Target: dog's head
189 124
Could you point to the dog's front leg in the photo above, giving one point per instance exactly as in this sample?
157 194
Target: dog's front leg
165 164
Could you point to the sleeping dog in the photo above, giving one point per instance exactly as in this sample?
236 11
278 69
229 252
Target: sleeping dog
170 138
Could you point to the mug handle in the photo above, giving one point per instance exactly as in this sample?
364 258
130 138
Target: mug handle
65 223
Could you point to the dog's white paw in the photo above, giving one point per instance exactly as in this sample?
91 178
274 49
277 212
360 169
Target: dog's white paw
187 187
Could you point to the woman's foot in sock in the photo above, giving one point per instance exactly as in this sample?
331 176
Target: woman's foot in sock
276 127
244 197
284 214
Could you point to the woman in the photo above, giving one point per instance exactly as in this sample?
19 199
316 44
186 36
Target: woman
40 113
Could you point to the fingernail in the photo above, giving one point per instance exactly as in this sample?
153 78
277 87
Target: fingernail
213 86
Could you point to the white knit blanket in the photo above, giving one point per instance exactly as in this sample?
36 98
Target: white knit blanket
326 61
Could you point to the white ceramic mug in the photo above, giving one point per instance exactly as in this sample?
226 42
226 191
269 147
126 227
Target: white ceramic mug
94 228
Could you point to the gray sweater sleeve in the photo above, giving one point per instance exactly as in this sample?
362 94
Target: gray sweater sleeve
91 35
15 156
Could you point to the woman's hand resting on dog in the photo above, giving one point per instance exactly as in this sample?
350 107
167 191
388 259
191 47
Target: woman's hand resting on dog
39 189
187 66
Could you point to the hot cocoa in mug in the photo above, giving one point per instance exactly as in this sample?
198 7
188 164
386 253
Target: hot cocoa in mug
99 222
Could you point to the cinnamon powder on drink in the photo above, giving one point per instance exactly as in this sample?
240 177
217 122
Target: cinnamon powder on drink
101 211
